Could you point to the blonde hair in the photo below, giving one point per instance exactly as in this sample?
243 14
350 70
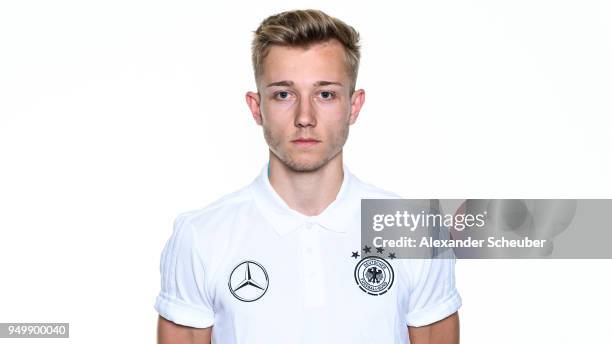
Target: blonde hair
302 28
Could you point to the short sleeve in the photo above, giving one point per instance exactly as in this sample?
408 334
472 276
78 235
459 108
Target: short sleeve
183 298
433 295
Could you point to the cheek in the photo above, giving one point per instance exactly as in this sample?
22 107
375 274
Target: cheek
334 117
276 125
273 106
277 113
335 128
336 110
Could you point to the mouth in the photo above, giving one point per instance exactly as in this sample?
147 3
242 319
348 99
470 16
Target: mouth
305 142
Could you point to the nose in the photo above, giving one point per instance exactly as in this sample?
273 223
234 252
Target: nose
305 116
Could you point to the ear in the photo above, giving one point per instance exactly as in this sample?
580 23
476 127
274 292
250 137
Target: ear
252 100
357 100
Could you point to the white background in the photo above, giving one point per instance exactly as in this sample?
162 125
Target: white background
117 115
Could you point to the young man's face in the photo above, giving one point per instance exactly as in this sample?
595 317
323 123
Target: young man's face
304 104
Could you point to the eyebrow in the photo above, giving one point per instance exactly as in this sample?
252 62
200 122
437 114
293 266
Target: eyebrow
318 83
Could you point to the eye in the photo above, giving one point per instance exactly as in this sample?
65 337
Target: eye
282 95
327 95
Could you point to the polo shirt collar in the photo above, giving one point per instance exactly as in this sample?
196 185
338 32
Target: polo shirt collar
286 220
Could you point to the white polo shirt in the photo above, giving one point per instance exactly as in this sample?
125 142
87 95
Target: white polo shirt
260 272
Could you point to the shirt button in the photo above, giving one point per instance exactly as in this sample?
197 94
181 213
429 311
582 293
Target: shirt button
309 225
309 250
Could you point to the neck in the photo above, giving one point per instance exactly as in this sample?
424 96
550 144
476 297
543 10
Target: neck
307 192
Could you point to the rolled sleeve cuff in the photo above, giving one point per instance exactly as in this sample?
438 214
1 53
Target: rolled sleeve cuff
182 313
429 315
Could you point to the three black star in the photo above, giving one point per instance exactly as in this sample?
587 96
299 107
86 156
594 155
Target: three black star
355 255
391 255
379 250
366 249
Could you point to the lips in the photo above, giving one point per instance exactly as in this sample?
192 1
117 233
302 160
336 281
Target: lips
305 141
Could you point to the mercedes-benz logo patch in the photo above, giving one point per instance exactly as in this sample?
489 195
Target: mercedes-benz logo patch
248 281
374 275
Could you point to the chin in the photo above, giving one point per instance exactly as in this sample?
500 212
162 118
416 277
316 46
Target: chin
304 165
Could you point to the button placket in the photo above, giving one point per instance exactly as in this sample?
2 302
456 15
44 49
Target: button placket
312 267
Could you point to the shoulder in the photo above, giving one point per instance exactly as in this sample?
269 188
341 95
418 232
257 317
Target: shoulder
214 216
367 190
209 231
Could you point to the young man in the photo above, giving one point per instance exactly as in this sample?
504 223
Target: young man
275 262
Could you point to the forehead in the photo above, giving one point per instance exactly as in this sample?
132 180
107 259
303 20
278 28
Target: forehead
319 61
